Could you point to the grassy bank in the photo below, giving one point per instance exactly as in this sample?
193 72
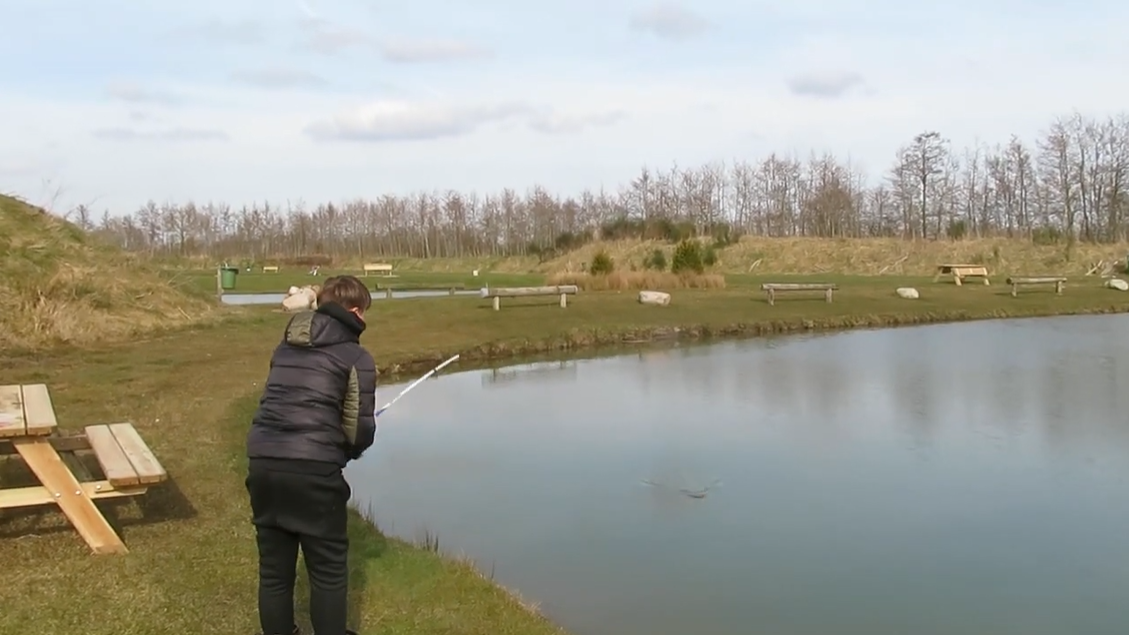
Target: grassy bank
190 394
60 286
192 562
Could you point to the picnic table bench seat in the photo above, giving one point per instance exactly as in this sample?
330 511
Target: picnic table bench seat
28 428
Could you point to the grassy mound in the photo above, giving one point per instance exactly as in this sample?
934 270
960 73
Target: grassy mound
61 286
865 256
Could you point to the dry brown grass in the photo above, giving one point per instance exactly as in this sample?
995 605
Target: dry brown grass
636 280
862 256
60 286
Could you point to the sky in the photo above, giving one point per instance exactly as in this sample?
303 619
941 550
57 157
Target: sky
111 103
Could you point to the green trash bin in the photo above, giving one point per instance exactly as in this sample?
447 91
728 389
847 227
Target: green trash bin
227 277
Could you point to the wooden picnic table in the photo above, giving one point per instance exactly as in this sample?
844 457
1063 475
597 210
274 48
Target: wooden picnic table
959 272
28 427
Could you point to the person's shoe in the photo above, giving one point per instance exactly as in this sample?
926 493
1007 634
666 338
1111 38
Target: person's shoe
296 631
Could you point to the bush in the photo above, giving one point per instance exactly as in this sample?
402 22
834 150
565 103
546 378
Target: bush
724 235
1046 236
957 230
687 258
602 264
709 258
656 261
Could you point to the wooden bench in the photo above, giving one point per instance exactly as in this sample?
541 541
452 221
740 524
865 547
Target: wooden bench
27 427
270 269
378 268
772 288
959 272
1015 283
497 294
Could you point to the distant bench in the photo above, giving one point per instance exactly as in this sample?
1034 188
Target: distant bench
497 294
1030 282
378 268
270 269
772 288
959 272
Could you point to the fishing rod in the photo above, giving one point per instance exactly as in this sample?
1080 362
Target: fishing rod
415 383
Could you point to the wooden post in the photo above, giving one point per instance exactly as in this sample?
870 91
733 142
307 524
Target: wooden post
1058 287
388 293
497 303
564 300
827 293
771 297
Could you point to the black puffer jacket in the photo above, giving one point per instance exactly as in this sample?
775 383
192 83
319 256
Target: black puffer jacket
320 394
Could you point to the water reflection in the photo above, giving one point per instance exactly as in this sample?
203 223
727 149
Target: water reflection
549 371
964 478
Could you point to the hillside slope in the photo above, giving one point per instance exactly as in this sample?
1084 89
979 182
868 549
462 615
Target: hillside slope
58 285
864 256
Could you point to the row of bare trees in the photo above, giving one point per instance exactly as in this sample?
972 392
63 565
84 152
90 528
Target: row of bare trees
1071 184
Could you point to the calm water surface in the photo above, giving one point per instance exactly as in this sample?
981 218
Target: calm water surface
956 479
276 298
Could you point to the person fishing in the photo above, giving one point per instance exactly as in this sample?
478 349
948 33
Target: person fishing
317 413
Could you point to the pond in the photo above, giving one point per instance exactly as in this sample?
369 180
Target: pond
276 298
951 479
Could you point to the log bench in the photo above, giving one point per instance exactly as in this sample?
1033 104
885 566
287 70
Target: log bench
1057 281
563 290
960 272
772 288
28 428
270 269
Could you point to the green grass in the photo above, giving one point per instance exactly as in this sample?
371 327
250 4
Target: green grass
190 393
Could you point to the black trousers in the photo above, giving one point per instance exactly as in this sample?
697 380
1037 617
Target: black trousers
300 504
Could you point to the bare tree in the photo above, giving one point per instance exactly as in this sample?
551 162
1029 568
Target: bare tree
1073 181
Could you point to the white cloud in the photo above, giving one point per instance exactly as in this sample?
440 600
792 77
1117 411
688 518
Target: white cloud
410 121
216 31
135 94
279 78
413 51
824 84
168 134
561 94
568 124
670 21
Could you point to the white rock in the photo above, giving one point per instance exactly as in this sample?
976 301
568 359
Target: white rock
1117 283
657 298
908 293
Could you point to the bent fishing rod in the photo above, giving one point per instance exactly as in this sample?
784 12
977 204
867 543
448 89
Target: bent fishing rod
415 383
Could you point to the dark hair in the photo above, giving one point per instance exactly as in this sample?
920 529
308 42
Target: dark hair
348 291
